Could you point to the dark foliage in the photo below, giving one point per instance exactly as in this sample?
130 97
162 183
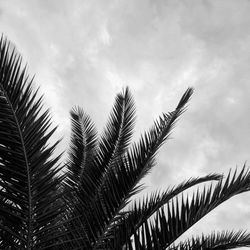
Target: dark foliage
87 202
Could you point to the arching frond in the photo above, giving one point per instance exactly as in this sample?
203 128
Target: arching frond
120 184
181 215
111 146
83 145
141 211
112 143
216 241
28 172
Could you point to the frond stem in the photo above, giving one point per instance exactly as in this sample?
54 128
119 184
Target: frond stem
27 168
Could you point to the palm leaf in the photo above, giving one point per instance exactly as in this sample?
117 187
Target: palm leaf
141 211
28 172
121 183
180 215
216 241
82 147
113 143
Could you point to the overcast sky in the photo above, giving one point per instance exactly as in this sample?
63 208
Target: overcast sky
84 53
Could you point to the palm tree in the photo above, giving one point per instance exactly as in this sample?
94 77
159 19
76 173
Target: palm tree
87 202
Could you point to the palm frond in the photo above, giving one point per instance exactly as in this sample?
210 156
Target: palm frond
28 172
215 241
141 157
180 215
82 147
112 144
120 184
141 211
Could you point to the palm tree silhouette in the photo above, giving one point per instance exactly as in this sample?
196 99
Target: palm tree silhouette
87 202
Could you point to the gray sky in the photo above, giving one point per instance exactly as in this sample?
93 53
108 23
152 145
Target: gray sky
84 52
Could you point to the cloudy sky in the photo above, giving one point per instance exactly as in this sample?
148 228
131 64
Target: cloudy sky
84 52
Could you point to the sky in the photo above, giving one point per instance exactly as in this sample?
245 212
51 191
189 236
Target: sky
84 52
